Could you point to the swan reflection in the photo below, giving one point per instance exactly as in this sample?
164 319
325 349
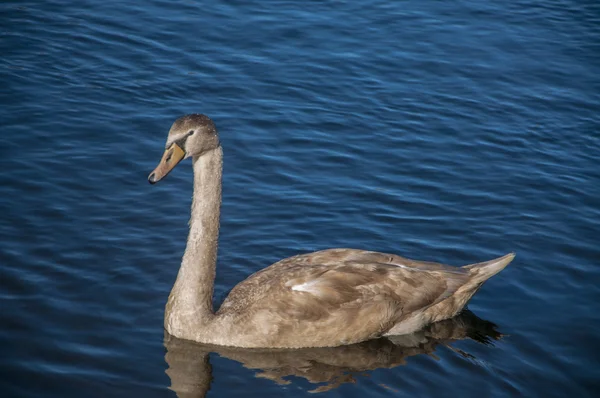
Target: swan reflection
328 368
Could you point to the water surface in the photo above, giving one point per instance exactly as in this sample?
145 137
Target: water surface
444 131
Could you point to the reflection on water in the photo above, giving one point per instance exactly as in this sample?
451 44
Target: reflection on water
191 373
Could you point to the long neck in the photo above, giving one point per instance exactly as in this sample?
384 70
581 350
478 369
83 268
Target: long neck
190 302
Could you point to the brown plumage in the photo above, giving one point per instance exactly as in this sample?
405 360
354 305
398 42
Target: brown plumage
327 298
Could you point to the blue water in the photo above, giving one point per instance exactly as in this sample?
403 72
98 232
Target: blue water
438 130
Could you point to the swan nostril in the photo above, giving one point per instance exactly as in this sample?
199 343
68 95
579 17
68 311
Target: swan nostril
152 179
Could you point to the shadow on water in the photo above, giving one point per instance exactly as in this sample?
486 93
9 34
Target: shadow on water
328 368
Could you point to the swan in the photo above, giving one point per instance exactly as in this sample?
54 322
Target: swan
327 298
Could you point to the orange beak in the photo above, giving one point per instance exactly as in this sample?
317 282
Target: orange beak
173 155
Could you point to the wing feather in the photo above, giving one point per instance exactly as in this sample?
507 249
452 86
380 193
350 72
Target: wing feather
320 283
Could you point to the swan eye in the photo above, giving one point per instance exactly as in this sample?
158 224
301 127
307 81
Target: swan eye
191 132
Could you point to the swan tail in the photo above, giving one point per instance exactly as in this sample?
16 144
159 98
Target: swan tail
480 272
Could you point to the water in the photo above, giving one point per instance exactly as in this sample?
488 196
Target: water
447 131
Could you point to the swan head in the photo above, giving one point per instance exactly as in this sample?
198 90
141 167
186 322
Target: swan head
190 135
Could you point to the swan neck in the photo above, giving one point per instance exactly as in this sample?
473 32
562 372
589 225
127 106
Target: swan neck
190 302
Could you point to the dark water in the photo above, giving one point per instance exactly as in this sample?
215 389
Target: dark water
439 130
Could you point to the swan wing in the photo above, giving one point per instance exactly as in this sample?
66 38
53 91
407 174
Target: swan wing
350 293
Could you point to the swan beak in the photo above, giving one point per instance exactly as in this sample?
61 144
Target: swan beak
173 155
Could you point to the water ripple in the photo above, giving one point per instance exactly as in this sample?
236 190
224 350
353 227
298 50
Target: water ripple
453 132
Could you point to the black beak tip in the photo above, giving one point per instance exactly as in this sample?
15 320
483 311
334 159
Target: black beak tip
151 179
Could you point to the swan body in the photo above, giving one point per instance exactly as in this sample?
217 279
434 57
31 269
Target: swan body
323 299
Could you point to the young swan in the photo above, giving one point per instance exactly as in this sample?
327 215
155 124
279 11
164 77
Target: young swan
327 298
